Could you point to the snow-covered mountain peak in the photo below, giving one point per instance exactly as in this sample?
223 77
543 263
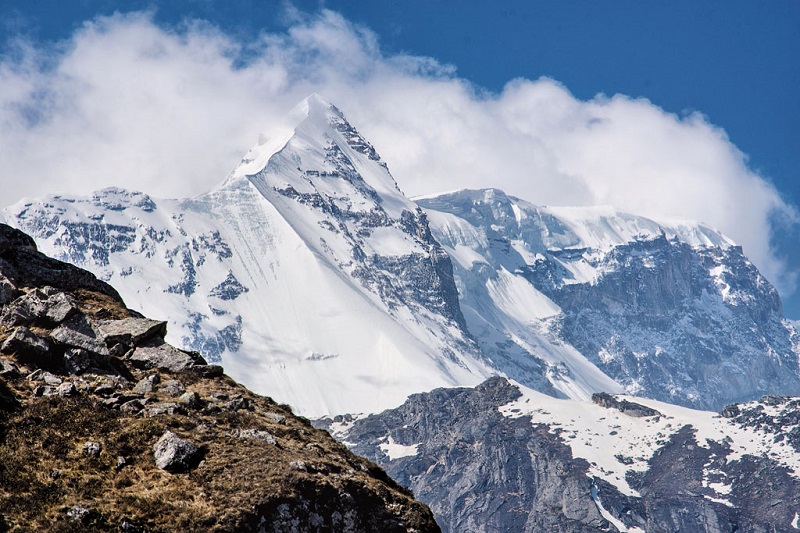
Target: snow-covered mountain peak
315 147
308 265
313 109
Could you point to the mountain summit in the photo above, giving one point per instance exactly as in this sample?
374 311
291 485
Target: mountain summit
311 277
307 272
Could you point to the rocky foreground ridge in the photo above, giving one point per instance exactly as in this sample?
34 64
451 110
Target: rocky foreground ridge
105 426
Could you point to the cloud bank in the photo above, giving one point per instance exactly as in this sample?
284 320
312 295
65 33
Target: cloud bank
171 111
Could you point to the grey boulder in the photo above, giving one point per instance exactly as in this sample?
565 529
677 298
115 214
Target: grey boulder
175 454
164 357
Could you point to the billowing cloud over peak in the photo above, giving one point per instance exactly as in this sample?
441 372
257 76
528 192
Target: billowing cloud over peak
128 103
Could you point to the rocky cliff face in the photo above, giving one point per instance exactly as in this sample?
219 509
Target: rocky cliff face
663 323
671 311
106 427
502 458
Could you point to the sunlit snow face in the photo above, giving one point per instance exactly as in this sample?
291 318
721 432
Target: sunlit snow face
614 443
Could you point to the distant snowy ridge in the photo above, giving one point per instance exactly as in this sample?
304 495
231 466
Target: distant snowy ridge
669 310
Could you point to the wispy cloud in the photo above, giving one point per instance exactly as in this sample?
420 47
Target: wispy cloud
171 110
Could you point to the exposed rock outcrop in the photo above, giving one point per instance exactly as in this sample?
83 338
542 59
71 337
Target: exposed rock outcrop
497 458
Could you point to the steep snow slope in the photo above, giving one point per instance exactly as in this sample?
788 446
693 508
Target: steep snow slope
307 272
669 310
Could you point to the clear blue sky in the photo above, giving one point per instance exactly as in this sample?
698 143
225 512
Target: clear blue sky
737 62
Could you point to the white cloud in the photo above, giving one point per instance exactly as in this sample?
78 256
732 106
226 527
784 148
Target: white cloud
170 111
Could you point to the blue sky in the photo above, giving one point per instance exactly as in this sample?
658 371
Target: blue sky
736 63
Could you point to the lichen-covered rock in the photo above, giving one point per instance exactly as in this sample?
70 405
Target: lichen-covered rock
131 331
26 345
165 357
174 454
147 384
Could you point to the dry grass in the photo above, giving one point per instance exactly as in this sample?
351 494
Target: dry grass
99 305
43 469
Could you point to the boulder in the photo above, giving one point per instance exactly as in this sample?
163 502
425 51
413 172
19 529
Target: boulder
77 360
147 384
173 387
237 403
175 454
209 371
66 389
44 390
8 291
276 417
165 357
162 408
191 400
25 345
256 434
131 331
132 407
79 514
731 411
8 369
92 449
77 332
50 379
45 307
633 409
59 307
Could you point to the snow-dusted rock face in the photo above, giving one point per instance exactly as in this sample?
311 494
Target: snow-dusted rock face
670 311
307 273
501 457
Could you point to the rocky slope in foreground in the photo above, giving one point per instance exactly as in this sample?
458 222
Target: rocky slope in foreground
104 426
